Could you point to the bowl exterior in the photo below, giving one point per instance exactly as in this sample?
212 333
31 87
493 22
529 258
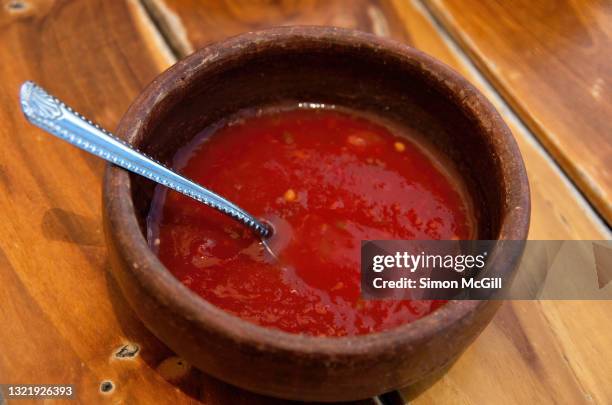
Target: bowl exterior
272 362
295 375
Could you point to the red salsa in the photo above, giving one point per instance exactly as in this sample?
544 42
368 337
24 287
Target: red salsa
325 179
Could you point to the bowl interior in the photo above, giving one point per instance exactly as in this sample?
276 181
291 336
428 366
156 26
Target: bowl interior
343 72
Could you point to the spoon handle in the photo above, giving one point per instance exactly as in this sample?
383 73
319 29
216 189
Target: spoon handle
55 117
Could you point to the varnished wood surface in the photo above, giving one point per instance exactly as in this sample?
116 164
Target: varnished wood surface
193 23
552 61
63 318
62 315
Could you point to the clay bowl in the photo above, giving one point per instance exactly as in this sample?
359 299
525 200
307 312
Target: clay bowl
328 65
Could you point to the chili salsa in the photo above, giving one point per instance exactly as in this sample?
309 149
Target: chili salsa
325 179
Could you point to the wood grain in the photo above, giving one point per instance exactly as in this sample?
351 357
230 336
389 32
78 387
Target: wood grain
62 315
63 318
551 60
192 23
533 352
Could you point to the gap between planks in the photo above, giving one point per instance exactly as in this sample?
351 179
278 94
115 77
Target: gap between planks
168 26
510 115
150 28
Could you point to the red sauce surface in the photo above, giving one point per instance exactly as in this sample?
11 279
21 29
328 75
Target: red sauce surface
326 180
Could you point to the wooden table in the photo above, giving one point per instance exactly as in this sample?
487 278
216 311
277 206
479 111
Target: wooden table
62 317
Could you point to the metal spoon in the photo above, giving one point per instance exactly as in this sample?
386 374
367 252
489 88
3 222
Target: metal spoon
55 117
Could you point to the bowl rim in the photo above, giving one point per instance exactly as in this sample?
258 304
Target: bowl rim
158 281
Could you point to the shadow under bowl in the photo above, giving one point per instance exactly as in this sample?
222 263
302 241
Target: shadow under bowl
322 65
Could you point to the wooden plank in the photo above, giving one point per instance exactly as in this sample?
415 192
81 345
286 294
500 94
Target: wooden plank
63 318
193 23
553 62
58 309
542 352
533 352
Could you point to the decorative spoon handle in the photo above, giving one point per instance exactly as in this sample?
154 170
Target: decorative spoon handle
55 117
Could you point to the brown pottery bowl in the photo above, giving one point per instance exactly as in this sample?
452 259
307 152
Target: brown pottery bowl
321 65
